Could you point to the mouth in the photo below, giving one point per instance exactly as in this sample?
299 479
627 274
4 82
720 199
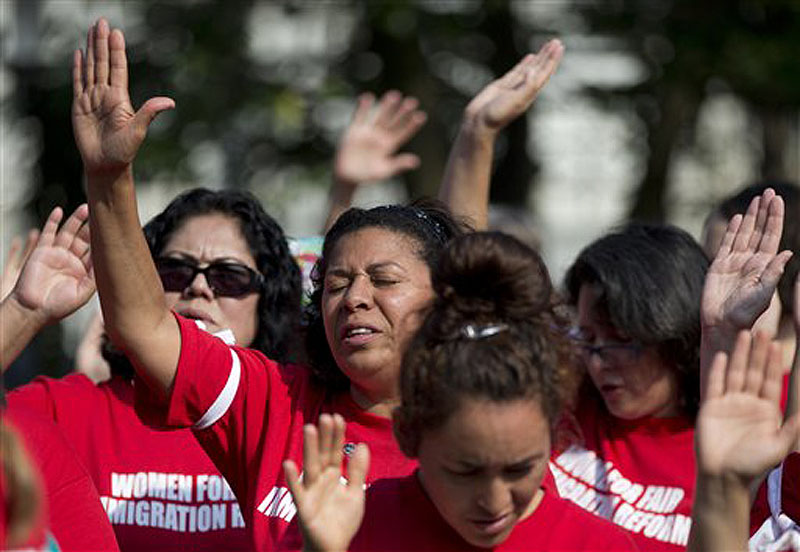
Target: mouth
493 525
611 389
357 334
197 314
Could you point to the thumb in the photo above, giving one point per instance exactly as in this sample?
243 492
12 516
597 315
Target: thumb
404 162
149 110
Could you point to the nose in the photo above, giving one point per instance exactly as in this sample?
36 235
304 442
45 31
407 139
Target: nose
494 496
199 287
359 293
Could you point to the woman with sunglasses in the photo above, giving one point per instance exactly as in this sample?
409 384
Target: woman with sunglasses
223 263
246 410
482 386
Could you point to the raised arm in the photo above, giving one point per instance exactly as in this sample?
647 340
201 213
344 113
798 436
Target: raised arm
329 511
108 133
367 151
465 186
55 281
743 276
740 436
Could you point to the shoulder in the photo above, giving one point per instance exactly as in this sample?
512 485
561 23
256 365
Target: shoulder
564 525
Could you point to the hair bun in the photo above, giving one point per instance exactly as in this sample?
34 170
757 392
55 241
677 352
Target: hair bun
491 275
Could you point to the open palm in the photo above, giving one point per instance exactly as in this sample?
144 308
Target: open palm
58 278
506 98
107 129
330 510
368 148
740 426
745 272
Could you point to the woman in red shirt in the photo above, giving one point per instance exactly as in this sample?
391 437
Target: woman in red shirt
481 389
248 411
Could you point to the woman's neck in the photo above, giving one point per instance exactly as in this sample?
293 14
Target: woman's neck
379 404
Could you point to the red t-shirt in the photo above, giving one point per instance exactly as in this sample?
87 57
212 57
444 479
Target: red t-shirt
73 512
399 516
248 414
639 474
159 489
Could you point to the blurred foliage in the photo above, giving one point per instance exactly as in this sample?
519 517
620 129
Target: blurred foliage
691 49
267 86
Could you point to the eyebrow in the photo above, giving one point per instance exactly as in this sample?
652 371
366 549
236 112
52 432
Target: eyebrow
223 259
374 267
524 461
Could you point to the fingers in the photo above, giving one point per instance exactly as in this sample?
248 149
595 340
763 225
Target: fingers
293 480
716 376
404 162
737 363
728 239
101 52
773 226
311 463
772 273
386 108
78 83
772 387
407 121
30 243
149 111
118 60
358 466
70 229
325 429
757 364
748 224
365 102
88 70
48 234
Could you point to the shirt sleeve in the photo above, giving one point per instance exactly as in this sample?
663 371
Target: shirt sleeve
34 397
229 396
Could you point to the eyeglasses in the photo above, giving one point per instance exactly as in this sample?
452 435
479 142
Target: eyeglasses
225 279
616 353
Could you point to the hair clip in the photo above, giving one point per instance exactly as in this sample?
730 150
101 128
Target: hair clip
472 331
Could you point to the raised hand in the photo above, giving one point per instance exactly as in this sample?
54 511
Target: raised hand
467 177
58 278
329 510
744 275
17 255
368 148
740 427
508 97
107 129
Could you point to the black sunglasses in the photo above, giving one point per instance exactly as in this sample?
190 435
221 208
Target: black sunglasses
225 279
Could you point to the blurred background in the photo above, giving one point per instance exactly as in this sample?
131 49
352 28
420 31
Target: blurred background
659 108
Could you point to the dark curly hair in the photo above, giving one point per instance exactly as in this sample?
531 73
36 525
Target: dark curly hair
484 281
650 279
279 297
427 222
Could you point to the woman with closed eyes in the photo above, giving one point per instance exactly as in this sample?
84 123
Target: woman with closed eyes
247 410
224 263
